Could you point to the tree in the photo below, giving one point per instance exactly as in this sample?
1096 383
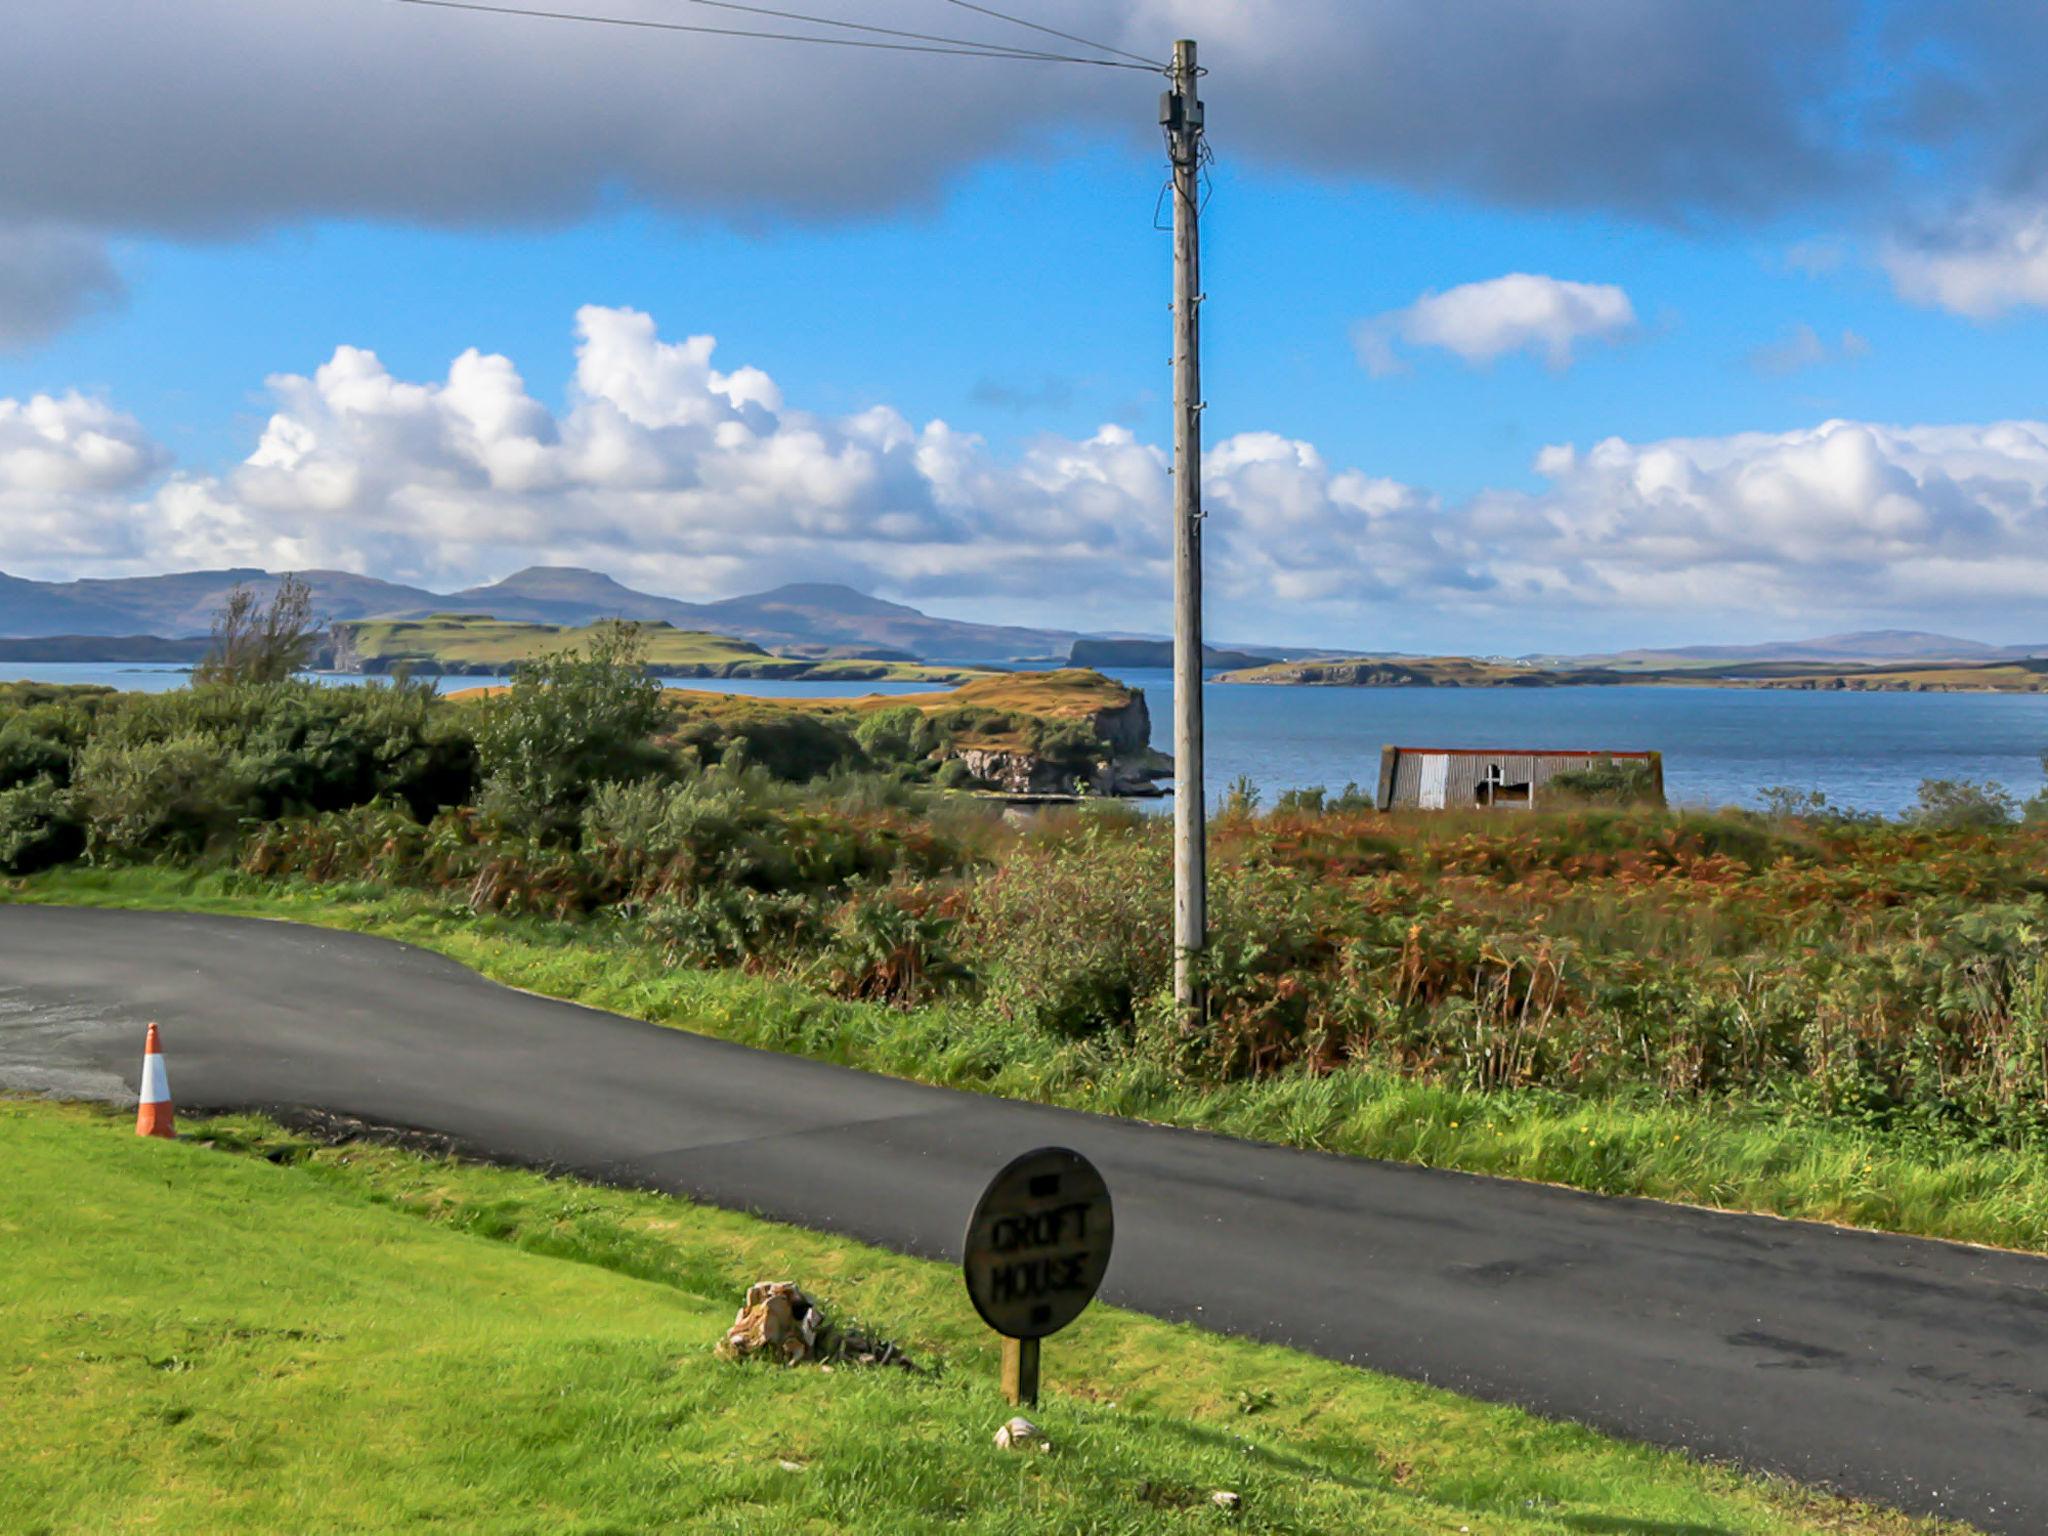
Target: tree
257 644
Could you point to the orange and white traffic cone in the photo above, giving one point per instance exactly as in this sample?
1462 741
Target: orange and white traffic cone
154 1117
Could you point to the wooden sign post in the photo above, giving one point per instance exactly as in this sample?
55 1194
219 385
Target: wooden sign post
1036 1251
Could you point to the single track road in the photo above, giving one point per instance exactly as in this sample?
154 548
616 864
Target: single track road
1911 1372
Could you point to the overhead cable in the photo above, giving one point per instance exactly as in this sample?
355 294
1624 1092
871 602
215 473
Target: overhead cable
972 51
969 5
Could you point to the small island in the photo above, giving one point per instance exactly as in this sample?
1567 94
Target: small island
469 645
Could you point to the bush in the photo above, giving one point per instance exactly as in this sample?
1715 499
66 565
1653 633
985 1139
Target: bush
1317 801
1609 782
888 947
27 755
568 723
380 841
184 796
1241 797
1075 934
257 644
1959 805
904 735
42 726
38 827
1072 746
791 747
725 927
311 748
1781 802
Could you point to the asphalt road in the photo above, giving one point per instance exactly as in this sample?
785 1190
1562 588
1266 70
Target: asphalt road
1911 1372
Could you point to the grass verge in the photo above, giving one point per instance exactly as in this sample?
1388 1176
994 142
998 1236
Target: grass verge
1774 1159
307 1338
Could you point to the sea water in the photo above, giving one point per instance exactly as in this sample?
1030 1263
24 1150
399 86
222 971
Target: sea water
1864 751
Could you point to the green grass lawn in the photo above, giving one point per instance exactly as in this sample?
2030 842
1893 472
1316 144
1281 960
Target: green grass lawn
244 1331
1753 1157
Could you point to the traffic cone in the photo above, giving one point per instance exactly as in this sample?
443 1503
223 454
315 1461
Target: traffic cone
154 1116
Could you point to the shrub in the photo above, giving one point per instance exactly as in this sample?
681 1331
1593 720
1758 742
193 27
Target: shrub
257 644
42 726
794 748
568 723
1782 802
1241 798
38 827
1075 934
889 948
1072 746
312 748
903 735
28 755
1609 782
1960 805
182 796
723 926
380 841
1317 801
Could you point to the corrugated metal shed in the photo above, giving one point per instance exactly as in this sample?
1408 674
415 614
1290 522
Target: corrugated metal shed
1488 778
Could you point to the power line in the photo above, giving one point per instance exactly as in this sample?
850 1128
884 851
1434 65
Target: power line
974 51
968 5
857 26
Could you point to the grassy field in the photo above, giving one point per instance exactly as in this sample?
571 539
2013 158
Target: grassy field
1754 1157
1069 694
458 643
299 1339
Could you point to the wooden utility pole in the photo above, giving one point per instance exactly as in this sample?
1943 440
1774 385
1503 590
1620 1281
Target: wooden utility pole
1181 116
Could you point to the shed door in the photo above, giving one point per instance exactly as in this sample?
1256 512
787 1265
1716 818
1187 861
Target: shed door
1435 769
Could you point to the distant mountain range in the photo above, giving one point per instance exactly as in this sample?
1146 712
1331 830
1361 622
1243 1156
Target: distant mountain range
816 616
1866 647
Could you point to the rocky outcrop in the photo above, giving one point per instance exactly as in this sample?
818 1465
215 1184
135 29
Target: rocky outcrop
341 643
1014 772
1122 764
1127 728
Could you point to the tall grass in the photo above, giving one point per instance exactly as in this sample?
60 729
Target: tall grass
1783 1158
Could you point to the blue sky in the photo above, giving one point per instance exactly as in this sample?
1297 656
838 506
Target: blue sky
1016 292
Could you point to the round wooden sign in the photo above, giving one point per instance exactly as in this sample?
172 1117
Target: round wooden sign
1038 1245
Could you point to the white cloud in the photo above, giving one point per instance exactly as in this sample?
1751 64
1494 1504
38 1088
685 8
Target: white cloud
1483 322
67 467
680 477
57 444
1981 265
1845 516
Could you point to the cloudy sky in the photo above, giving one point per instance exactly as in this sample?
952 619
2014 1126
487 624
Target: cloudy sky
1532 323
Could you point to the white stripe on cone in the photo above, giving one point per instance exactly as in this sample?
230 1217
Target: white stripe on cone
156 1083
